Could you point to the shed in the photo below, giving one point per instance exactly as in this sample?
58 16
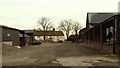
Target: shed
11 36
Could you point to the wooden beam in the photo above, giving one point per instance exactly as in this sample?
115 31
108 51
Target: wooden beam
101 37
89 37
94 38
114 21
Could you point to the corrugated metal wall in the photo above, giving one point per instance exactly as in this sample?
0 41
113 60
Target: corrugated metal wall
0 34
10 35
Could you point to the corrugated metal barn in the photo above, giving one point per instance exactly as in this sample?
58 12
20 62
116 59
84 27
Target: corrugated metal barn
11 36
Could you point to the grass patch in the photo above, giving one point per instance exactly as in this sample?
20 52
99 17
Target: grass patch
111 56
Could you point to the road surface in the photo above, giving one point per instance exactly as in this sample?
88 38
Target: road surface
54 54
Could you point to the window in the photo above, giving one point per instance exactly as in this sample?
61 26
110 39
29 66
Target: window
8 35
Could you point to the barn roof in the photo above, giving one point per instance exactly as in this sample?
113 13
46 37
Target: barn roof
28 31
48 33
7 27
82 31
98 17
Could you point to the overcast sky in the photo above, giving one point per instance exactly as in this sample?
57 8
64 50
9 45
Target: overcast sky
23 14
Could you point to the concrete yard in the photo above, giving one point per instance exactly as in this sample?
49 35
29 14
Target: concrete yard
54 54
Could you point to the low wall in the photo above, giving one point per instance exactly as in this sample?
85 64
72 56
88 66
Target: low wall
97 46
8 43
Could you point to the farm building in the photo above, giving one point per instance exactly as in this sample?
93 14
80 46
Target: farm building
74 38
11 36
27 39
105 34
30 36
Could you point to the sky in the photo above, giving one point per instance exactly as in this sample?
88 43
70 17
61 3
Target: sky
24 14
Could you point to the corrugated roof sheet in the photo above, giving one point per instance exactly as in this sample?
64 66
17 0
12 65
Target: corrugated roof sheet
28 31
98 17
3 26
21 35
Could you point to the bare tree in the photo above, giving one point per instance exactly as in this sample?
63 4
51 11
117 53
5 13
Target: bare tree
66 26
44 24
76 26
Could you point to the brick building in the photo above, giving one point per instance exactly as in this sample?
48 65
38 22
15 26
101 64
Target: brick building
49 35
